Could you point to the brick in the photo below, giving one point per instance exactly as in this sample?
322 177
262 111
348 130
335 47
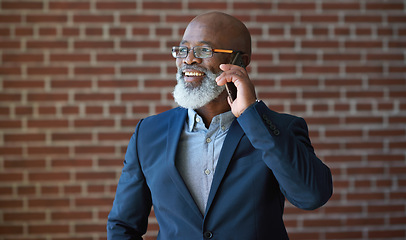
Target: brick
10 177
24 216
24 31
340 6
344 235
139 18
11 229
277 69
384 6
10 44
118 84
252 5
65 5
41 97
73 163
48 229
117 31
92 110
93 123
47 44
94 71
20 5
94 150
93 18
11 204
48 150
179 19
365 196
319 18
139 44
140 31
57 18
94 44
71 137
5 32
22 57
10 71
379 234
274 18
94 97
10 18
10 124
71 84
116 5
363 19
25 164
23 84
276 44
114 136
297 57
70 57
140 70
70 31
47 70
364 94
321 69
90 228
71 215
363 44
116 57
296 6
162 5
80 176
159 83
50 203
47 176
11 151
92 202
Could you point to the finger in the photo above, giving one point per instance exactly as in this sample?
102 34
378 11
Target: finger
227 67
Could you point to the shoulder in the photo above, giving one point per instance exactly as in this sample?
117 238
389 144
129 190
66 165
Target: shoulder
280 118
159 121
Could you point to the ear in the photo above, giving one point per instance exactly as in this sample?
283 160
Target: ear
246 59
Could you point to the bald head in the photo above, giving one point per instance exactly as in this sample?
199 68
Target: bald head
225 31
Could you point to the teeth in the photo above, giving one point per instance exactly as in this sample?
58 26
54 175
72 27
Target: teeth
193 74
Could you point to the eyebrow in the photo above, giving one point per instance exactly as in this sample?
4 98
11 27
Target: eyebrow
204 42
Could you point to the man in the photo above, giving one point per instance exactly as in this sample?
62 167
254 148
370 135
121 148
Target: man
209 172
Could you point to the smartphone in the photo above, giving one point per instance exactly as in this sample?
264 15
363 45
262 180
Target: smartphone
230 87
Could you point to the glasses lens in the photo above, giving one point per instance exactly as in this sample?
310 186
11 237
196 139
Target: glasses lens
203 52
179 52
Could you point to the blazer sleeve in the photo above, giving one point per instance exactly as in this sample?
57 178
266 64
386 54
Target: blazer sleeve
128 218
286 149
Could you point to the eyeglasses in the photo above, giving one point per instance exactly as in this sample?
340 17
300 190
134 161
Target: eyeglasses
198 52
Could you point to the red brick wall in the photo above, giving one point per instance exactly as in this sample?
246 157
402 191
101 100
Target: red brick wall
76 76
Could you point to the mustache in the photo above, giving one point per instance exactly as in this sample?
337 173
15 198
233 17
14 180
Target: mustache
206 71
197 68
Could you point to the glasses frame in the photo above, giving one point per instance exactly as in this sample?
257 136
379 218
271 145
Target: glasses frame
213 50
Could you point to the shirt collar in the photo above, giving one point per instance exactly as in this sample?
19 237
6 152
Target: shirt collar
225 119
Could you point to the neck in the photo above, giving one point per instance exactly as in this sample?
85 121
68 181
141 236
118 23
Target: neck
214 108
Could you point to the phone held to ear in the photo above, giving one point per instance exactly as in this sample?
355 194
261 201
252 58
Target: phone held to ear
230 87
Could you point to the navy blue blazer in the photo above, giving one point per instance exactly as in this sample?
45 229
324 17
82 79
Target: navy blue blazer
266 157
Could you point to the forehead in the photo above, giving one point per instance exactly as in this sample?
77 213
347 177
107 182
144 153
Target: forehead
198 43
201 33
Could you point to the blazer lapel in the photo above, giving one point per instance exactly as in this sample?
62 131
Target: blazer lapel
230 144
175 128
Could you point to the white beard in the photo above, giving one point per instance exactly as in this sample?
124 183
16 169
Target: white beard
189 97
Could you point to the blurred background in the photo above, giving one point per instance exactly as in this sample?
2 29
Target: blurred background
77 76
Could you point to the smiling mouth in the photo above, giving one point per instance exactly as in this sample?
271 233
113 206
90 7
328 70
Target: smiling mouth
193 74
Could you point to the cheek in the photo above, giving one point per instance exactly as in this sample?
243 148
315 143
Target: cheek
178 62
214 64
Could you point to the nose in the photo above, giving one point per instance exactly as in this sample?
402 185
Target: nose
191 59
